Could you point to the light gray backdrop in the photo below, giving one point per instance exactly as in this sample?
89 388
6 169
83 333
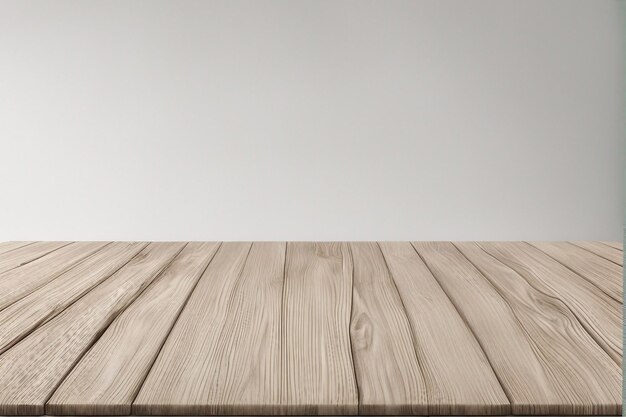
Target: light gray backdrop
273 120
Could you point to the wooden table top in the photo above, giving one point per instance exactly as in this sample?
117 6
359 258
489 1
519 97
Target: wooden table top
206 328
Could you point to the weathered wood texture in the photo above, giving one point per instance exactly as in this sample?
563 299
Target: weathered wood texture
9 246
32 369
22 255
458 376
607 252
546 360
605 275
23 316
241 328
19 282
223 355
599 314
389 376
107 379
317 369
616 245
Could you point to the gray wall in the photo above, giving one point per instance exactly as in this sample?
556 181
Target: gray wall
297 120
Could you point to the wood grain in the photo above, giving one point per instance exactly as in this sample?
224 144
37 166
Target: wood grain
33 368
605 275
317 369
21 256
616 245
388 374
544 358
19 282
9 246
21 317
599 314
182 378
108 377
458 376
614 255
310 328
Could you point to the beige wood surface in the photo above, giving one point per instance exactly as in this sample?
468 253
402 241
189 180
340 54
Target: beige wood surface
19 282
28 253
388 374
605 275
616 245
32 369
9 246
182 380
270 328
545 359
607 252
108 377
600 315
21 317
458 376
317 369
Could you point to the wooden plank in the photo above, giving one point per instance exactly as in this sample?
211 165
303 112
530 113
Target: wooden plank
616 245
108 377
607 252
317 369
603 274
9 246
21 317
545 360
223 355
33 368
310 328
599 314
19 282
458 376
21 256
388 374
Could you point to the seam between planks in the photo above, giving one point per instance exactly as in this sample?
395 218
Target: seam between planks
98 334
504 390
356 381
502 298
104 328
593 253
229 301
180 312
284 377
590 333
284 368
64 271
18 247
410 324
87 291
529 283
281 400
577 273
531 341
611 246
39 257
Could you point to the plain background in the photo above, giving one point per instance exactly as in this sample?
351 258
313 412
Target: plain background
312 120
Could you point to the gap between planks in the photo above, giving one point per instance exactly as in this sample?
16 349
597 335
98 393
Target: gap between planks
406 314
